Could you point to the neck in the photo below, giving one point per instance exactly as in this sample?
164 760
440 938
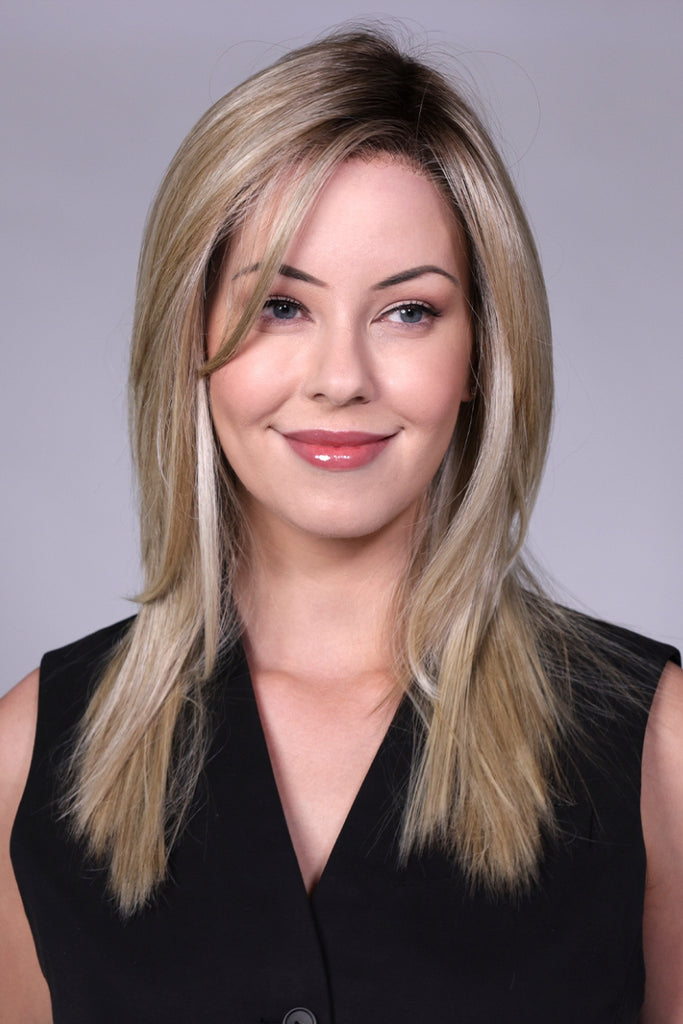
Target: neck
320 605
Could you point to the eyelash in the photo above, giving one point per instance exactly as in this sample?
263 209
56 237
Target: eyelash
424 307
298 307
284 300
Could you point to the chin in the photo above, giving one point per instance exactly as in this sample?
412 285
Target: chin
349 528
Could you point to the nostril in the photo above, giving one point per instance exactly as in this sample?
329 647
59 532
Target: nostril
341 400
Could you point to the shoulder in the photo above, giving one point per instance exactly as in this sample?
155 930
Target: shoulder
69 674
23 991
89 652
619 645
33 716
37 700
607 665
666 718
663 760
22 707
662 815
18 714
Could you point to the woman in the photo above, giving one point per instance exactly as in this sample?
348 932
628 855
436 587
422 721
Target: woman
347 763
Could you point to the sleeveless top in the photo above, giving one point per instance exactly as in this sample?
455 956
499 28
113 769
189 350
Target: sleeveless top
234 939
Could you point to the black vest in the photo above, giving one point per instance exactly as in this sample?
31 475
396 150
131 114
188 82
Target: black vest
234 939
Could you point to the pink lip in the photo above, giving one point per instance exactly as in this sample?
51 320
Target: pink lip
337 449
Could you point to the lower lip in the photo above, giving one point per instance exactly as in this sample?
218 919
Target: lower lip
337 458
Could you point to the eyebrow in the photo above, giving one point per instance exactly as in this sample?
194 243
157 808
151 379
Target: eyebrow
410 275
285 270
405 275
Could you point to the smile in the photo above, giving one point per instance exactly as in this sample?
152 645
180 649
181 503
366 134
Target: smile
337 450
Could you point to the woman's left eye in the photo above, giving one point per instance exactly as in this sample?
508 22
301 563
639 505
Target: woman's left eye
411 313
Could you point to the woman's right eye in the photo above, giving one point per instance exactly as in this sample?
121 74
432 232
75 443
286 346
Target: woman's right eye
280 308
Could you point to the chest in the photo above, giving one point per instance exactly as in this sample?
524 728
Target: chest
235 938
321 744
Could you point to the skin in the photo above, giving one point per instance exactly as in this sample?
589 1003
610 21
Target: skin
662 816
345 354
24 996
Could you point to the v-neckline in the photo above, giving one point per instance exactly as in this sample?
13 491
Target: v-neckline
371 782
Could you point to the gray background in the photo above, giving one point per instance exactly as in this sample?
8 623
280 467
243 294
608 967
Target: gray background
585 98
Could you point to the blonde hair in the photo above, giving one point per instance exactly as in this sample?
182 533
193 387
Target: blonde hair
469 647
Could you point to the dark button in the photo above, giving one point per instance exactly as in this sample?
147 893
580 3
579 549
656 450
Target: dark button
299 1015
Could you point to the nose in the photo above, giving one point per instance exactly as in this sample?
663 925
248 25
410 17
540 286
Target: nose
340 368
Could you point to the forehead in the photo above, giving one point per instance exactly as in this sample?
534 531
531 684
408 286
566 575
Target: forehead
382 205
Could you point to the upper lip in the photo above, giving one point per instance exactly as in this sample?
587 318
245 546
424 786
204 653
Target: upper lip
334 438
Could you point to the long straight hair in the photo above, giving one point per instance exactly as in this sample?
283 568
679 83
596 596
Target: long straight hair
472 625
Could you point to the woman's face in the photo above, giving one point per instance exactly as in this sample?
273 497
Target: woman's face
337 409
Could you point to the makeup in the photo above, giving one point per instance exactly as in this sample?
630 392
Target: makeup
337 450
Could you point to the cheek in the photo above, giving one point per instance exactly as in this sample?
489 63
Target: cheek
232 414
431 392
232 409
243 391
224 394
